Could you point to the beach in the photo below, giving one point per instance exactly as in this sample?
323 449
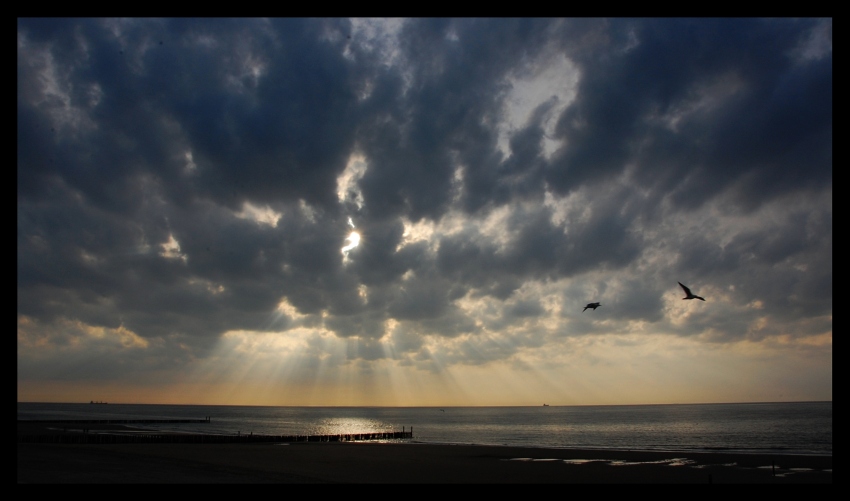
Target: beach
398 463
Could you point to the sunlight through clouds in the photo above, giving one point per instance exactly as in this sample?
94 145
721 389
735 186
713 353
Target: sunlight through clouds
264 215
352 241
552 82
31 336
171 249
421 231
347 188
415 211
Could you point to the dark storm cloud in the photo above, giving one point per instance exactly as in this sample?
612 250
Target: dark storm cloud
447 114
134 132
777 116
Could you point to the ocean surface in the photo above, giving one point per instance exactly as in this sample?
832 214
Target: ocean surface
787 428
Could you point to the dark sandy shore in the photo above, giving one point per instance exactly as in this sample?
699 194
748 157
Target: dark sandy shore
405 463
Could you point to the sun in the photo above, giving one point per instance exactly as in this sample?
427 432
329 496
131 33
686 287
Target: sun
352 241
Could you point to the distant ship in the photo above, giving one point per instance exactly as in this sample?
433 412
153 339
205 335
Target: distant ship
93 402
545 405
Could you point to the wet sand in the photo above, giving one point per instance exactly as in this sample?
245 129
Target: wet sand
402 463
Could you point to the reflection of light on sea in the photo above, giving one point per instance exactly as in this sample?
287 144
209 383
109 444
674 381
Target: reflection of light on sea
344 426
615 462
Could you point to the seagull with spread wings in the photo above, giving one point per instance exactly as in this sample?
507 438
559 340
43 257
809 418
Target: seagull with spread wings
689 294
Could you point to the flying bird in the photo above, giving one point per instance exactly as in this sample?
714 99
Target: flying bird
591 305
689 294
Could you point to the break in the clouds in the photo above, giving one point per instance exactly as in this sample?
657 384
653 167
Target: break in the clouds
415 211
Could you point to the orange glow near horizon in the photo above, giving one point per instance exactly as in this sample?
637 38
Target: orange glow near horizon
312 368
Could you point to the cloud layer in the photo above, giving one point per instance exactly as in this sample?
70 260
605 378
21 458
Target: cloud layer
186 182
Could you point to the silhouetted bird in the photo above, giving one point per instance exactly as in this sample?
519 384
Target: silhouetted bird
591 305
689 294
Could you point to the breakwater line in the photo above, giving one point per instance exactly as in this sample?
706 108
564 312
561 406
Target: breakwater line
85 435
187 438
114 421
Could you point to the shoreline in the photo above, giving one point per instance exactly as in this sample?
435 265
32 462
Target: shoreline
47 427
382 463
399 463
755 452
407 462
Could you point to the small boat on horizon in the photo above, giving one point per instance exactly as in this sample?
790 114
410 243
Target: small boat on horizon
93 402
545 405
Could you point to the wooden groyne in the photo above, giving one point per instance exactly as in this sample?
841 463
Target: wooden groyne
87 436
191 438
114 421
187 438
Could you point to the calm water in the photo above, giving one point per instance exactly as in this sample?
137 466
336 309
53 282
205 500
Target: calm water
791 428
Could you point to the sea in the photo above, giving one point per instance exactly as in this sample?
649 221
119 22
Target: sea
780 428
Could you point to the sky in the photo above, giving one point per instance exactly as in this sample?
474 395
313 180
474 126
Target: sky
415 212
